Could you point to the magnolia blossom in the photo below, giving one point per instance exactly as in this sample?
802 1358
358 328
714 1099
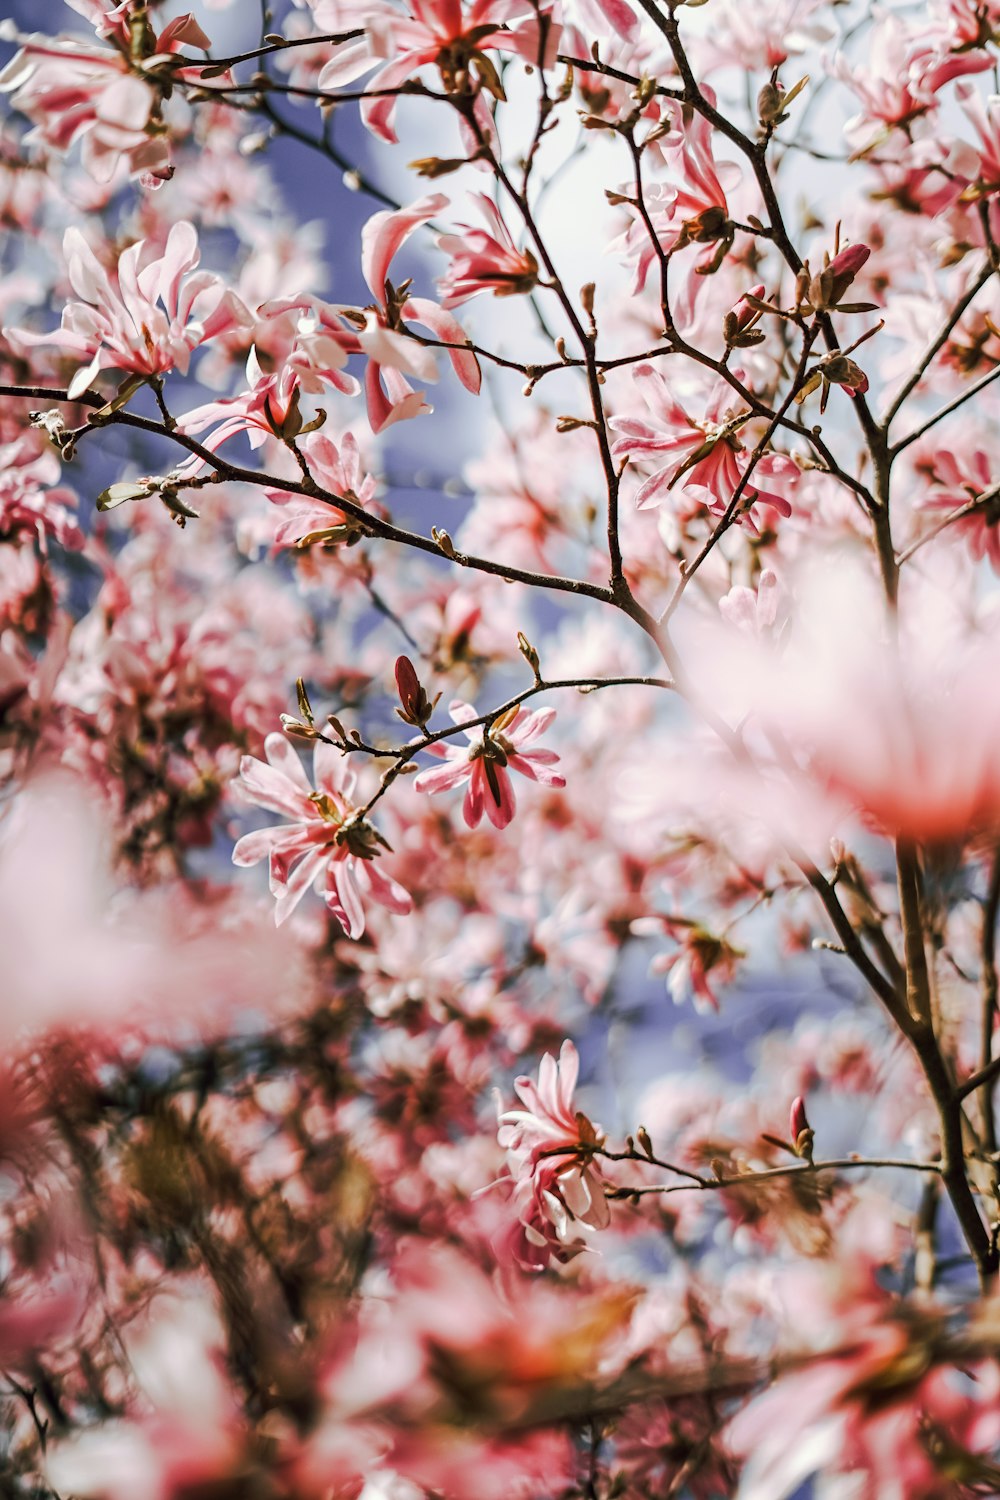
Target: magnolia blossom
492 753
447 33
31 500
306 521
485 260
984 116
325 845
706 454
557 1184
904 729
688 968
146 319
899 80
693 209
392 355
869 1373
77 90
960 478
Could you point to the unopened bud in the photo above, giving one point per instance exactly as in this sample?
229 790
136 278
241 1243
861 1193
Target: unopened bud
797 1121
443 541
302 698
843 371
770 102
297 730
528 651
800 1129
437 166
417 707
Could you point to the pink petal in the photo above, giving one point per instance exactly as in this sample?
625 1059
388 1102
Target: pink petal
450 331
385 232
343 898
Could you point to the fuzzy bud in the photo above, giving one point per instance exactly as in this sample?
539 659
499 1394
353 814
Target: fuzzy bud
529 653
443 541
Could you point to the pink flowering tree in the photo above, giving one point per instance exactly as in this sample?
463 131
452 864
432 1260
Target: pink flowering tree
499 632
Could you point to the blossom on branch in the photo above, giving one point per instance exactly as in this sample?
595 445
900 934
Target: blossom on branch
485 260
392 352
326 845
443 33
144 320
307 522
493 752
704 456
74 90
557 1185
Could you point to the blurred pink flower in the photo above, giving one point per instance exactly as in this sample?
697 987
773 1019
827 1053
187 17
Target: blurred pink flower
32 503
124 959
74 90
904 67
960 476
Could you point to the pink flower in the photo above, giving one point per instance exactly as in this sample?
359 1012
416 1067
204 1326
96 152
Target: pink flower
338 471
485 260
310 360
441 32
492 754
325 844
700 954
391 354
557 1184
904 729
984 116
145 320
29 502
694 210
873 1389
75 90
960 477
706 453
902 72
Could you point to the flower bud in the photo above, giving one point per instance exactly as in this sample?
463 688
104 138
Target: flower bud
844 371
828 288
800 1129
417 707
797 1121
770 102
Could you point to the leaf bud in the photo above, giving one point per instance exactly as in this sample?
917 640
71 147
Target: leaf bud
302 698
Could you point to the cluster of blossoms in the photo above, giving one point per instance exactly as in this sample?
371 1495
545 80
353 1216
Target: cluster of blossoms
620 746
